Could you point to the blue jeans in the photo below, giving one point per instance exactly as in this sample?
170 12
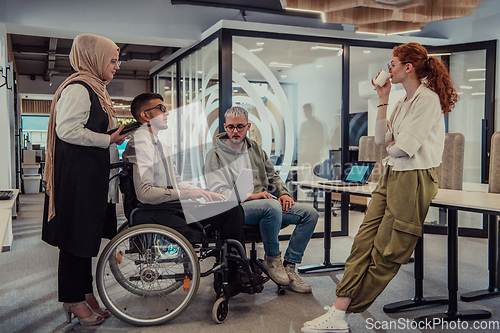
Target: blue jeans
269 214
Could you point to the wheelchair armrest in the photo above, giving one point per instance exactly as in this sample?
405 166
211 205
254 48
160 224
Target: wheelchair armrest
116 165
177 206
170 205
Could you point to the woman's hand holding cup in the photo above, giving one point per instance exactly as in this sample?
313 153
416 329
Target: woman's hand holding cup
382 83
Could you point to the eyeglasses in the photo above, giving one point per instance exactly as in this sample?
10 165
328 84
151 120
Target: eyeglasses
239 127
162 108
390 66
116 63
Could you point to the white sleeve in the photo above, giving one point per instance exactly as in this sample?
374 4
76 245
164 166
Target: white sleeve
72 113
394 151
381 132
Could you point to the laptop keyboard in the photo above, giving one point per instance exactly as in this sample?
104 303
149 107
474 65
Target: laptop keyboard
6 194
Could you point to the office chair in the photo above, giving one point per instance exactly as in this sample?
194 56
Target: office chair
328 169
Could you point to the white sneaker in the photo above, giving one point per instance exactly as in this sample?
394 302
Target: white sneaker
275 269
312 322
332 321
296 284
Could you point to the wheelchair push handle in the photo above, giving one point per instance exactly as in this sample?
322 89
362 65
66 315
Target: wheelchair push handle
116 165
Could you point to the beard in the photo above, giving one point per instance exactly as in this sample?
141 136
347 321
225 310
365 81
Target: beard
236 141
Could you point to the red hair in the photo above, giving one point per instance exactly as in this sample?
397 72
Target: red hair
436 75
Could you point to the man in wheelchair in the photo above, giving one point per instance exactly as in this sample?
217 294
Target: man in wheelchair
156 181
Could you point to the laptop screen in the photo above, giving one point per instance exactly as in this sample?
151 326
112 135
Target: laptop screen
358 172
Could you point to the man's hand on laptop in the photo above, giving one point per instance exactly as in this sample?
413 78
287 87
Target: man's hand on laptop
286 201
260 195
196 193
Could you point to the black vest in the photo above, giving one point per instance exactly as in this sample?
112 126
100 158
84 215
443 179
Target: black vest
81 177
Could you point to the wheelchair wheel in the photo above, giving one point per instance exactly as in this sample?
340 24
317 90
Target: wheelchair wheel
220 310
148 275
140 243
122 227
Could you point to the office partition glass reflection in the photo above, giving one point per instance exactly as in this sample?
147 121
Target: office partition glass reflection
467 69
166 85
293 93
198 110
365 64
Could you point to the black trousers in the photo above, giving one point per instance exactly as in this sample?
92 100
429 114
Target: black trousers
74 277
75 273
229 223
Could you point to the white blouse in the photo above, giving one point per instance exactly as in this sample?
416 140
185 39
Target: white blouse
417 128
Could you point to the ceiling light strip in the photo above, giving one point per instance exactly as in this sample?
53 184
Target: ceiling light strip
323 18
277 64
331 48
404 32
369 33
438 54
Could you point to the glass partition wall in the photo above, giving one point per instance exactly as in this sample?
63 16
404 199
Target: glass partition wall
293 98
472 70
366 62
199 109
191 91
166 85
309 98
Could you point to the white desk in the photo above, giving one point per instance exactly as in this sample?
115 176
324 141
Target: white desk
7 210
453 201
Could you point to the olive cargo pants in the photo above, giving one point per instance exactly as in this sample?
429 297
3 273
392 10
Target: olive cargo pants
388 235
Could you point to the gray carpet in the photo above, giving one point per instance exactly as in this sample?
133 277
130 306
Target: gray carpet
28 289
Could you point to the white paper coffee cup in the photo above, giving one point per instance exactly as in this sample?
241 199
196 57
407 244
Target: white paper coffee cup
382 78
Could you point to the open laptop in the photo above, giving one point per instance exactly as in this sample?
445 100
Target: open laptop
356 174
242 187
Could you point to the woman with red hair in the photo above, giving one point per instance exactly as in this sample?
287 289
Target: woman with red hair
414 138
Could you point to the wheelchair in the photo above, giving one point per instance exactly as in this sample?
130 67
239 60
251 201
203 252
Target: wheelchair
149 273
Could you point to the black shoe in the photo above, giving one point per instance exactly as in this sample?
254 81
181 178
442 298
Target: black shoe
234 288
258 278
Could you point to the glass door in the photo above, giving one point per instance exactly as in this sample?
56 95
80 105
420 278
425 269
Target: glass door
472 72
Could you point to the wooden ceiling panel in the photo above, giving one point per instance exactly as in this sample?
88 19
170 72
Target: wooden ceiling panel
361 15
386 16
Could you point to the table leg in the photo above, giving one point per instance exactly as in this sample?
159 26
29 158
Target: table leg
327 265
453 314
419 299
493 264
